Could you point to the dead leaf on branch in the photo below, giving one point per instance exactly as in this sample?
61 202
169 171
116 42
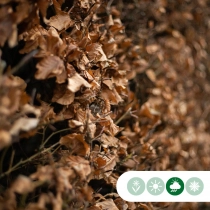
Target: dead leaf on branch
112 95
61 20
76 143
79 164
100 162
32 38
43 5
23 185
50 66
95 52
107 204
104 164
43 173
23 124
62 95
108 141
9 19
76 82
5 138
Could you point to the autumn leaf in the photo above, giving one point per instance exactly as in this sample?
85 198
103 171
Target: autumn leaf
22 185
79 164
23 124
107 204
76 82
5 138
76 143
48 67
61 20
62 95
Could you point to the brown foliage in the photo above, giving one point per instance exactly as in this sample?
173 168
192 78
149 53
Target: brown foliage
100 101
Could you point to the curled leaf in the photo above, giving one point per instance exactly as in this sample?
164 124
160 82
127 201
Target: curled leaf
76 82
22 185
49 66
76 143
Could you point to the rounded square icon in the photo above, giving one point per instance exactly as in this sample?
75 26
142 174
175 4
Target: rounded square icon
194 186
136 186
155 186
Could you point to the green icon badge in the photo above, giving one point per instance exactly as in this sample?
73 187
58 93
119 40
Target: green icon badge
175 186
136 186
155 186
194 186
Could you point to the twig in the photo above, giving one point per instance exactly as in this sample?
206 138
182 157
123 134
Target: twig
11 159
26 160
23 61
123 116
54 133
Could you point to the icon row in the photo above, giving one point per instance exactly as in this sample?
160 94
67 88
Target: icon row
174 186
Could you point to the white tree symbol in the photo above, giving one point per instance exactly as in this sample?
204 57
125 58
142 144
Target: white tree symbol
194 186
136 186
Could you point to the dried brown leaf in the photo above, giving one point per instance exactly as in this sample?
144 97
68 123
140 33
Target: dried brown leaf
43 173
22 185
121 204
95 52
32 38
23 124
152 48
110 48
62 95
76 82
100 162
43 5
76 143
106 169
109 141
94 208
107 204
5 138
79 164
14 81
61 20
49 66
112 95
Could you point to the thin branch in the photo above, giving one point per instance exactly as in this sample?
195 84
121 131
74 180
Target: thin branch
123 116
54 133
15 167
23 61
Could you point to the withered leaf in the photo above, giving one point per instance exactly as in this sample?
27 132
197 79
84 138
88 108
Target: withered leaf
79 164
94 208
49 66
106 170
43 5
22 185
23 124
5 138
107 204
109 141
62 95
61 20
95 52
76 143
75 82
33 38
112 95
100 162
